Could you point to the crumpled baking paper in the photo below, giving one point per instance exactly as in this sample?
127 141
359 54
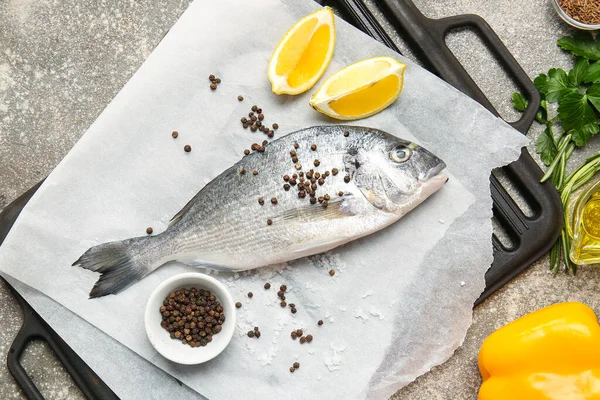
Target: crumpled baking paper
401 299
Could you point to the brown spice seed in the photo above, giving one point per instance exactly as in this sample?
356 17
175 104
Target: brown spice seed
293 310
267 285
340 193
286 187
293 153
320 322
346 134
321 181
259 110
275 126
187 148
246 151
254 108
270 134
296 145
255 172
325 203
253 128
331 272
238 305
347 178
286 177
274 200
292 369
313 200
175 134
218 80
253 117
302 340
327 197
302 194
250 114
283 288
211 77
149 230
296 365
213 86
313 147
265 142
317 163
261 201
245 125
269 222
261 116
250 294
317 175
294 159
283 303
242 171
257 334
294 335
251 334
299 332
240 98
309 338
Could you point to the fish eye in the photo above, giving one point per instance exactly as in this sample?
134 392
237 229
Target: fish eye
401 154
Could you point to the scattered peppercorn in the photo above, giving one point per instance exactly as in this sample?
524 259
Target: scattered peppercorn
334 171
294 335
321 181
292 305
293 310
309 338
298 166
274 200
218 80
294 159
238 305
313 200
286 187
250 334
242 171
254 108
253 117
261 117
283 304
347 178
253 128
296 365
313 147
267 285
320 322
265 142
269 222
296 145
275 126
257 334
211 77
346 134
250 294
240 98
327 197
149 230
213 86
280 293
340 193
302 340
331 272
317 163
292 369
255 172
271 134
187 148
261 201
325 203
286 177
299 332
175 134
283 288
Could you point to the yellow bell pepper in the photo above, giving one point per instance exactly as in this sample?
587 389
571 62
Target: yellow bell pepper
549 354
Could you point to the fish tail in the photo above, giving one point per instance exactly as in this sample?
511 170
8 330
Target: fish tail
121 264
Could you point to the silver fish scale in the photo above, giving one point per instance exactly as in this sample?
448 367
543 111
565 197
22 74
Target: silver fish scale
225 224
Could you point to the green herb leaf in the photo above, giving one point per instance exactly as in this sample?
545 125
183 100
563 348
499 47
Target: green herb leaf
542 115
541 84
592 74
583 134
593 95
546 146
519 102
575 111
581 44
558 85
578 73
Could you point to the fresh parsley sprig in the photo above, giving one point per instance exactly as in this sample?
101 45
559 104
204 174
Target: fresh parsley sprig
577 94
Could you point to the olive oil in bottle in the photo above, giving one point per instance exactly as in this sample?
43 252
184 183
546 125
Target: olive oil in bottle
585 247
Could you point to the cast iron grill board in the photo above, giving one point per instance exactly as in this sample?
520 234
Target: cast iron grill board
533 235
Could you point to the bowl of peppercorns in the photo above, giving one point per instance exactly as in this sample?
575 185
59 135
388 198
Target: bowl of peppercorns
190 318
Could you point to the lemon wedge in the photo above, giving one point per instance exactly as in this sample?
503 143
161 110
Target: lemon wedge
361 89
303 54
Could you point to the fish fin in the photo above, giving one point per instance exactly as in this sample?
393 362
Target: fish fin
177 217
312 249
336 208
120 265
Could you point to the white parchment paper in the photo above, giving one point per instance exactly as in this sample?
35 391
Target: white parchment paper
401 299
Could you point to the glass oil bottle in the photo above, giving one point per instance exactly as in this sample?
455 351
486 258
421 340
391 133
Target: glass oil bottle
585 247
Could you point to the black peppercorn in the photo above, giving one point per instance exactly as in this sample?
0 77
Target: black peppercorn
269 222
213 86
251 334
261 201
347 178
240 98
275 126
346 134
175 134
313 147
320 322
250 294
149 230
331 272
187 148
309 338
296 365
293 310
267 285
238 305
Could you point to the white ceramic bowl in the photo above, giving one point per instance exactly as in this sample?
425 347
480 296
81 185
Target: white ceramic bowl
173 349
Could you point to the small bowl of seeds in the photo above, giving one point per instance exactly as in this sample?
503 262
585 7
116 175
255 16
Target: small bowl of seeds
581 14
190 318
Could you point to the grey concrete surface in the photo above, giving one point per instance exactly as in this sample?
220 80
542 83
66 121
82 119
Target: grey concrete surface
62 62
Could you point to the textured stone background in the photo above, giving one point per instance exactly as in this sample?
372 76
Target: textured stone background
62 61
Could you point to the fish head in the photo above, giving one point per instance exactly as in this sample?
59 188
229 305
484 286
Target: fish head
395 175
